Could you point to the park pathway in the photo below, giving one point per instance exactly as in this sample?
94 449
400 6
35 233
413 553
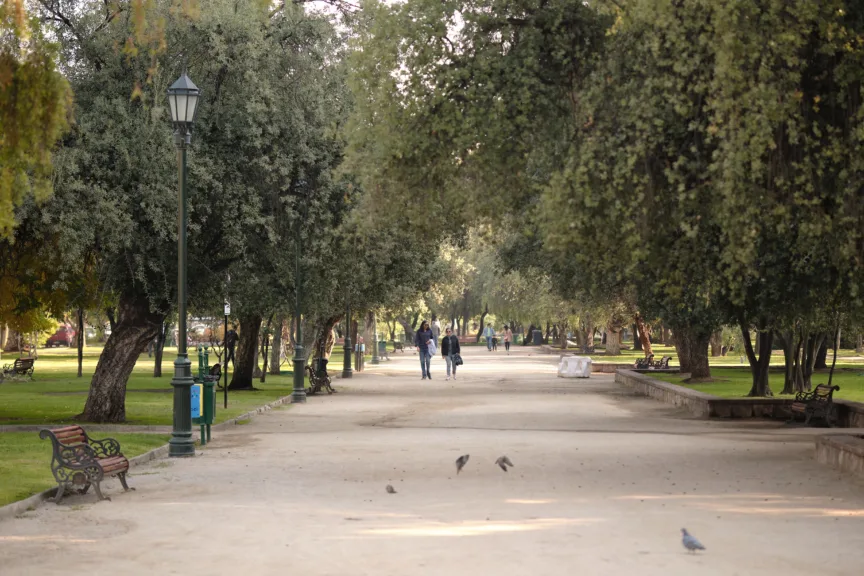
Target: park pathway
602 484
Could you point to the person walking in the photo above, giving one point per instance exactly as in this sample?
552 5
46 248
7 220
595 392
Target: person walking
230 342
489 332
436 328
508 337
449 348
421 341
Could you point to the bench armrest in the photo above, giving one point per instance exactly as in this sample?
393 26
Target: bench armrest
106 447
76 456
804 396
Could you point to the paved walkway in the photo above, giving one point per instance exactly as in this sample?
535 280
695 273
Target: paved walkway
602 485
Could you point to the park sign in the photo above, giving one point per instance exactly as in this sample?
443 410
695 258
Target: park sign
227 309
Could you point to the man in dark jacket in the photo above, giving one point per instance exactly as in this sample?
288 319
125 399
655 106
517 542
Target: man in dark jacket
449 348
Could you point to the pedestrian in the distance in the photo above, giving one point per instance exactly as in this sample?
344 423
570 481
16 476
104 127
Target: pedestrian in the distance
230 342
508 337
421 340
489 332
449 348
436 328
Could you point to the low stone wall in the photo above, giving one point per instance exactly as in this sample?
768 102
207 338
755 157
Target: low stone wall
843 452
849 414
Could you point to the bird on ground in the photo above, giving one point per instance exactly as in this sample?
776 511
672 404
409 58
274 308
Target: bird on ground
689 542
390 489
461 461
503 462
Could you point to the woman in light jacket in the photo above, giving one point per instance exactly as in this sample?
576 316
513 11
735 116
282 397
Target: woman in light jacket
450 347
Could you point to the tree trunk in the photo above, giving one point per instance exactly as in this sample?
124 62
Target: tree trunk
613 340
637 342
758 364
80 341
700 369
160 349
716 344
106 401
682 348
528 336
276 348
265 348
644 338
482 321
821 359
787 341
247 350
4 332
409 331
661 335
859 344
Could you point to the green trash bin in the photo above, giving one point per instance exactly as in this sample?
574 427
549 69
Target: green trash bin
204 414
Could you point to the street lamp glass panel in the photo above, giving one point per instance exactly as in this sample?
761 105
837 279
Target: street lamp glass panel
183 98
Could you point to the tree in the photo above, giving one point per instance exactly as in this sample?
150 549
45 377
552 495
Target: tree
34 101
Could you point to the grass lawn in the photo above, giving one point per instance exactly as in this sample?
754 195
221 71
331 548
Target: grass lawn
56 395
736 382
25 460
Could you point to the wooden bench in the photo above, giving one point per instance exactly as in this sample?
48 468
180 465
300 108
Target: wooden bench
816 404
81 461
318 377
21 368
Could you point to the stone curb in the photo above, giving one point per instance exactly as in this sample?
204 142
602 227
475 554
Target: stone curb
17 508
702 405
843 452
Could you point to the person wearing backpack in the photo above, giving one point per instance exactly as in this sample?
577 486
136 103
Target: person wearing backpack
449 350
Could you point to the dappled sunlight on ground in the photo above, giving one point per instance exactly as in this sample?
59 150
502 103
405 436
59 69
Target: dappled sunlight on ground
478 528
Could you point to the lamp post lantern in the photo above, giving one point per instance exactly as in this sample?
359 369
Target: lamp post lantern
183 99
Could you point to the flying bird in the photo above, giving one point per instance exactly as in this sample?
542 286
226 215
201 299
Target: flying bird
689 542
503 462
461 461
390 489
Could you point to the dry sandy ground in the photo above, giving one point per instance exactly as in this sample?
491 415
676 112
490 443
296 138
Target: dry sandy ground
603 483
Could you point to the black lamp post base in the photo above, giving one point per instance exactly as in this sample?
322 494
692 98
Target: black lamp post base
181 443
298 395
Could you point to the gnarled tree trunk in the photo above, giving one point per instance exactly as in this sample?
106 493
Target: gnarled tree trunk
758 364
137 325
682 348
482 321
644 336
247 351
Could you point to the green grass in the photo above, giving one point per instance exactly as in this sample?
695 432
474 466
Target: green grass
56 395
736 382
25 460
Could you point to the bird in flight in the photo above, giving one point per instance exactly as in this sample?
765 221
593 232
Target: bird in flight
461 461
503 462
390 489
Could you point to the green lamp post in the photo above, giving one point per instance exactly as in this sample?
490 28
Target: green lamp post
183 98
298 394
347 371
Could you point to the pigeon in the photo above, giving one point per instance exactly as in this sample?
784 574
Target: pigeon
503 462
390 489
689 542
461 461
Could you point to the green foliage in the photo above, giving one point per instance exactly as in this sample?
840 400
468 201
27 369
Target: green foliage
34 99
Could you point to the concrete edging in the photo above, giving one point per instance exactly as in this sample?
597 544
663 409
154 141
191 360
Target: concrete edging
843 452
850 414
21 506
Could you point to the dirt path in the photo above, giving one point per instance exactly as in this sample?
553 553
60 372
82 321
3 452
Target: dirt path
603 483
